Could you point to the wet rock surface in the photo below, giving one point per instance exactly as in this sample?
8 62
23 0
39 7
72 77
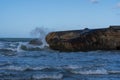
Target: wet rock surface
36 42
85 40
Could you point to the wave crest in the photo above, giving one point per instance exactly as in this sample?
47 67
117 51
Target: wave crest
90 72
48 76
23 68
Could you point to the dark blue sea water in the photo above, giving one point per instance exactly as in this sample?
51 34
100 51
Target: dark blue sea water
46 64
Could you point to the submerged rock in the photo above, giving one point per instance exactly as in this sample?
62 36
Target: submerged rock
36 42
33 45
30 48
85 40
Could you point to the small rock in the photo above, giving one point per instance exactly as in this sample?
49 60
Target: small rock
37 42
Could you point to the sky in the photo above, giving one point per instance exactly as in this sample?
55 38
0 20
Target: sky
19 17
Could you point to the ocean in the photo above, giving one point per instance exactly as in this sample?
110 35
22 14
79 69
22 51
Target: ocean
47 64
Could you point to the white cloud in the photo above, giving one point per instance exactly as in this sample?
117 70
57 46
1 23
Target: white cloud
94 1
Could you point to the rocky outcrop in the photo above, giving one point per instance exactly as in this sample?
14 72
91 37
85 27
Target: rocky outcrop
32 45
36 42
85 40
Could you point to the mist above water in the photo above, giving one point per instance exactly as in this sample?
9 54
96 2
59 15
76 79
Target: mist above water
40 33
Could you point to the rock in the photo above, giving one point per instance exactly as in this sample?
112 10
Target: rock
36 42
33 45
29 48
85 40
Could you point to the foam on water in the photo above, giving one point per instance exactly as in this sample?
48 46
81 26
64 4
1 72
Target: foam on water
29 47
9 46
45 64
7 49
48 76
17 46
18 49
23 68
114 72
91 72
72 67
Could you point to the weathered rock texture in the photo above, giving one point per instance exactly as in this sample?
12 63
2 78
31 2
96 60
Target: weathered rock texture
85 40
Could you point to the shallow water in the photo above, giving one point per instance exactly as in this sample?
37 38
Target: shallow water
46 64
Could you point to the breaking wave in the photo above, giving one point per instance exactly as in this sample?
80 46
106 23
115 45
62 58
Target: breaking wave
22 45
23 68
73 70
91 72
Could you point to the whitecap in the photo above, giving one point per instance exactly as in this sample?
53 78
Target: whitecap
48 76
8 49
18 49
39 68
72 67
11 49
14 68
13 44
29 47
114 72
90 72
23 68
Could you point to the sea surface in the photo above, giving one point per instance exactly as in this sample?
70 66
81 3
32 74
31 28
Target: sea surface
47 64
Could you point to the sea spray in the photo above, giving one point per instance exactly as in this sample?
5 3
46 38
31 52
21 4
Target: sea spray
41 33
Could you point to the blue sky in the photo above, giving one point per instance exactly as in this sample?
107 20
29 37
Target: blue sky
19 17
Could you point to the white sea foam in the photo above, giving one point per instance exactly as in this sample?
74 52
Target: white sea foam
114 72
11 49
39 68
13 44
72 67
26 47
90 72
48 76
23 68
18 49
14 68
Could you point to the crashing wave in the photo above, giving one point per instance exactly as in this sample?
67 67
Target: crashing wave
21 46
9 46
29 47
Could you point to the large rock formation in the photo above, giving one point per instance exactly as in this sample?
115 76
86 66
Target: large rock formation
85 40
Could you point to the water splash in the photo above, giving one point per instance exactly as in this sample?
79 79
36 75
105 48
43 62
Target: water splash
41 33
